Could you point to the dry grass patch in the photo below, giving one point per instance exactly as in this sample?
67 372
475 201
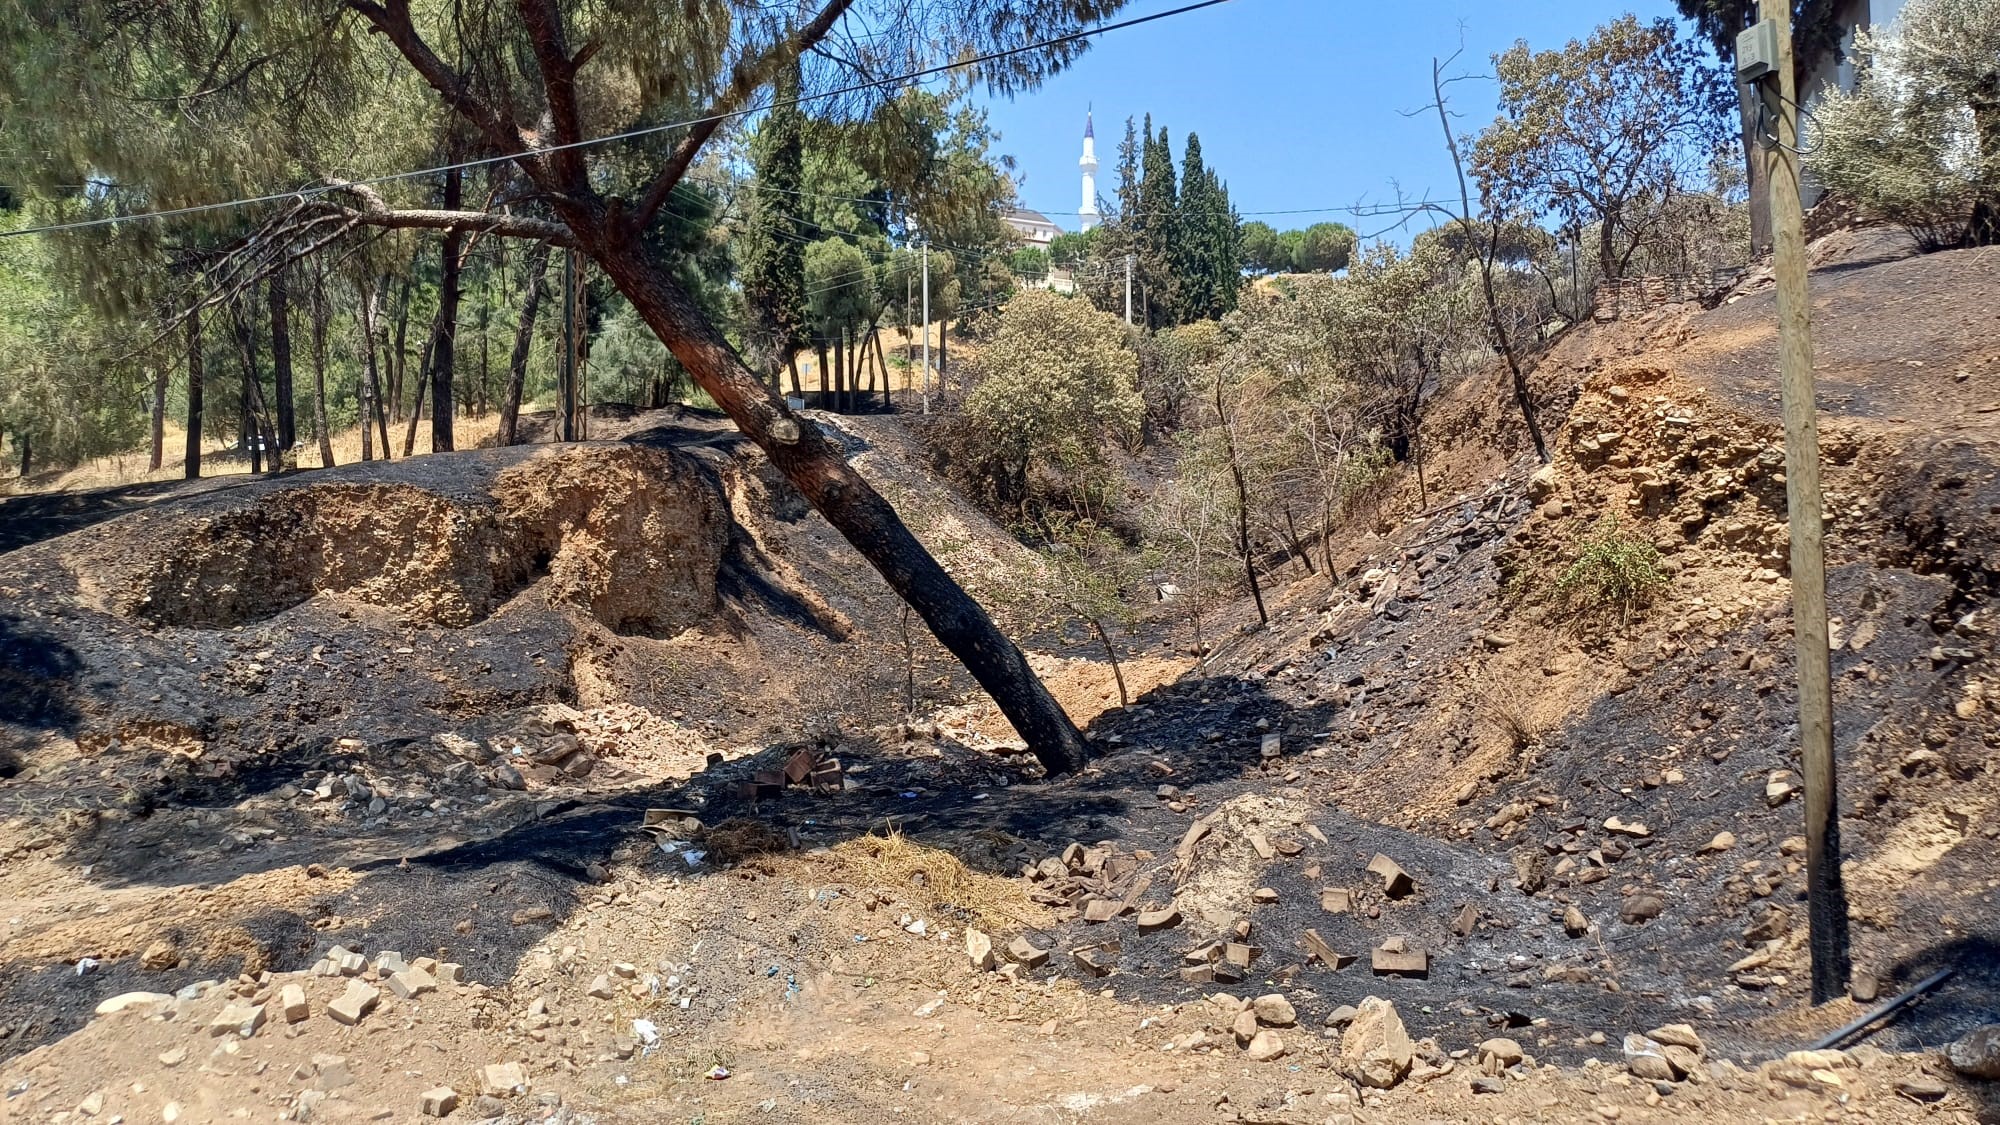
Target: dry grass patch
894 863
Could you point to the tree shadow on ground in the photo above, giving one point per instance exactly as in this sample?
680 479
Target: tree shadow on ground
38 674
33 517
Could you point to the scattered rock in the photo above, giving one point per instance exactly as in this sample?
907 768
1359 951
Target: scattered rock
600 988
1977 1053
1771 925
1575 923
1496 1055
1634 829
1722 842
1264 896
1640 909
1779 788
1376 1050
1266 1046
1102 910
111 1006
1152 920
160 956
1922 1088
1336 900
1647 1059
503 1080
1093 961
1274 1010
438 1101
979 950
237 1019
1677 1035
1466 920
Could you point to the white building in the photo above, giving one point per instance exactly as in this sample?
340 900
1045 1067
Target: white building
1035 228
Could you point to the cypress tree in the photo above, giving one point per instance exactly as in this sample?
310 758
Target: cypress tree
1208 259
774 253
1158 236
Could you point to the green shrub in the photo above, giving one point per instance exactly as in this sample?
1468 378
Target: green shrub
1614 570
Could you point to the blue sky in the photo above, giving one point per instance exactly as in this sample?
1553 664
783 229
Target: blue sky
1299 103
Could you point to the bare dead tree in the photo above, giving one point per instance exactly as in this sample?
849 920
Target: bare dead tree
1502 339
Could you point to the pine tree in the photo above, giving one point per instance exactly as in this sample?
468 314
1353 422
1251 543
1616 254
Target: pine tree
774 255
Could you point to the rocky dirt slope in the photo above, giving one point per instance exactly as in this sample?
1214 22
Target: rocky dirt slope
1585 826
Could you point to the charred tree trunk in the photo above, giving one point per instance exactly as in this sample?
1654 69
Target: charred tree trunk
1242 506
417 406
819 347
524 340
27 453
399 359
371 384
821 473
281 372
160 375
191 461
249 439
840 368
444 344
1111 654
319 318
1298 548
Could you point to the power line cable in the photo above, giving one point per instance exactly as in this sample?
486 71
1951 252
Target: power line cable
313 191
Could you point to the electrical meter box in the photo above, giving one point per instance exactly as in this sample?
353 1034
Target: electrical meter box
1757 51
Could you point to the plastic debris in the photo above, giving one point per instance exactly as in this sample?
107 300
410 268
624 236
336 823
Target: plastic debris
717 1073
646 1032
86 965
694 856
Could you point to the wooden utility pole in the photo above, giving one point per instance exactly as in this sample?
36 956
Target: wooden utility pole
1827 899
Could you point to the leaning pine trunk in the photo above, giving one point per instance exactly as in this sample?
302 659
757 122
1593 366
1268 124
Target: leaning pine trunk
817 467
524 339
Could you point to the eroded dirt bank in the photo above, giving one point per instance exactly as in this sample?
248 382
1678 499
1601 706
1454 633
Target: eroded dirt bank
231 756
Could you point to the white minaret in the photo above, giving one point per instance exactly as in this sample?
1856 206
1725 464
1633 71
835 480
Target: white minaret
1088 213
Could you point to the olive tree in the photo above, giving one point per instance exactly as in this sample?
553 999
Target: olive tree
1918 139
1053 384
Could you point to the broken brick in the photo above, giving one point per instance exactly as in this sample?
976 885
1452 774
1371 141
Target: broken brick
1395 958
1396 882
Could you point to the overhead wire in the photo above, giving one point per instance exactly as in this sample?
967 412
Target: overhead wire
316 190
